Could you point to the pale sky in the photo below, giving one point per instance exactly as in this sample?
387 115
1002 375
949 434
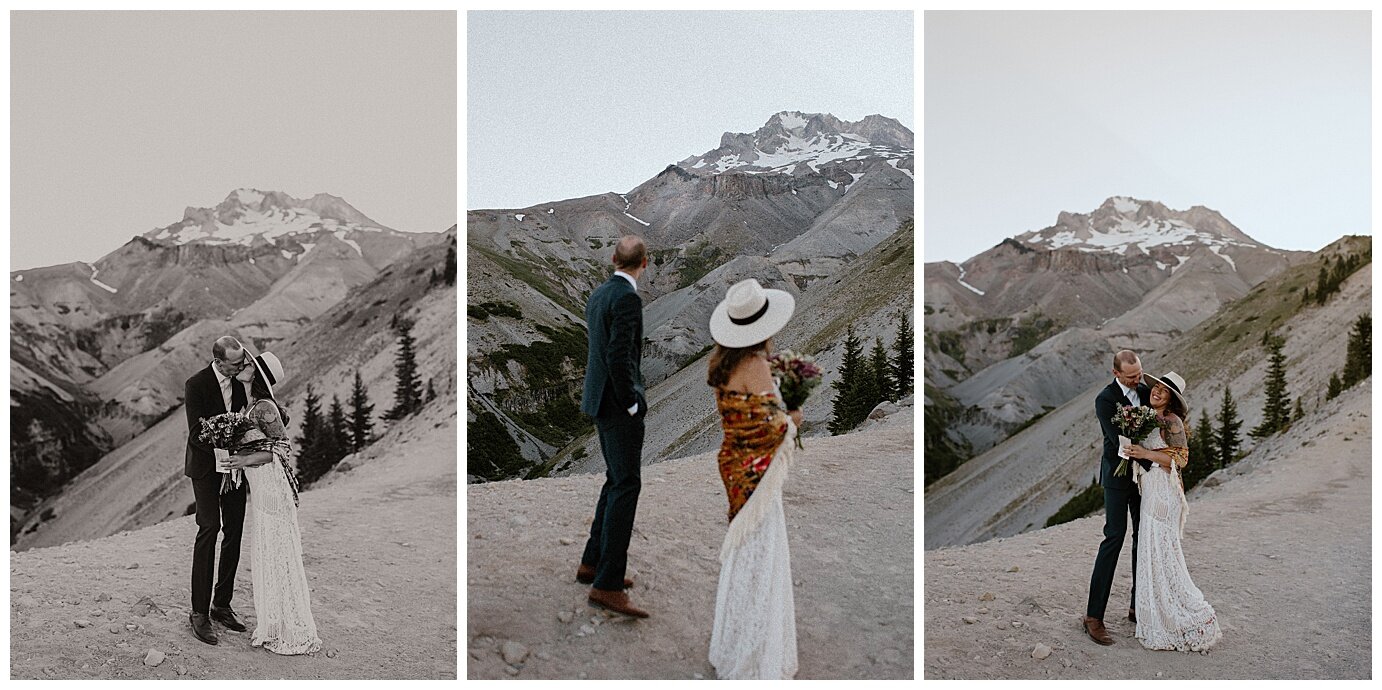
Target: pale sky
121 120
1262 116
569 104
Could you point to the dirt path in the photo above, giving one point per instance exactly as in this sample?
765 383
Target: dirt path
849 505
1282 549
379 545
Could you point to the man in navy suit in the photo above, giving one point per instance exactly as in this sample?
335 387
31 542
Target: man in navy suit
1121 497
613 395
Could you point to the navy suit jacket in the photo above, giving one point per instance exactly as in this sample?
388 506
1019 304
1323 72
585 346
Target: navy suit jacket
1105 406
614 361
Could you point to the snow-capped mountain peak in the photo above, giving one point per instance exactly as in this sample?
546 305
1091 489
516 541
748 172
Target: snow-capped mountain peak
249 214
1124 225
796 143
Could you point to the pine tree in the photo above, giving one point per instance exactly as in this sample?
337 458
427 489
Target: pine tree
340 430
882 374
1298 412
1335 387
1226 436
431 392
1202 461
312 460
902 356
1276 410
1322 285
1305 298
361 425
407 392
1358 361
449 273
846 387
432 278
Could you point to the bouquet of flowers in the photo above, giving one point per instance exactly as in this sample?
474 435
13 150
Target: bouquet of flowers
797 374
224 430
1135 423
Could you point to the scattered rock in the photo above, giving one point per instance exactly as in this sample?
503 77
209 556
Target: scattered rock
115 629
182 670
565 616
82 623
697 676
513 652
1017 624
1065 662
132 566
102 597
146 606
511 670
331 653
983 610
153 658
1013 569
970 620
1041 652
986 596
587 629
1001 625
1158 674
564 541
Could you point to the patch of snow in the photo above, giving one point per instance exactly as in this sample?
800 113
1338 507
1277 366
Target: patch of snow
794 192
1125 270
286 254
519 217
1217 252
306 247
791 120
962 281
700 164
19 278
99 284
894 162
248 197
1124 204
551 211
251 260
833 184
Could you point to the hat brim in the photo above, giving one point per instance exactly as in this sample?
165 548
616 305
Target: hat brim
781 304
1171 388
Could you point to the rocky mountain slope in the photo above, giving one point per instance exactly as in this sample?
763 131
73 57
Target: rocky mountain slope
1016 485
1003 326
96 348
379 549
141 483
833 191
1291 589
848 503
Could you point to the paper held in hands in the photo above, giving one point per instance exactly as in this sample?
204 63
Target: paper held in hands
222 457
1123 443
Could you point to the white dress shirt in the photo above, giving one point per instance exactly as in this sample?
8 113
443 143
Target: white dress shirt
632 410
1130 394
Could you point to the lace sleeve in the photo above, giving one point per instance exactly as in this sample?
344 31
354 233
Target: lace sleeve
1177 445
266 417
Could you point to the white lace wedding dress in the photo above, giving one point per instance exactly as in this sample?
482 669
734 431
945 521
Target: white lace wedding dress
1171 611
282 606
755 630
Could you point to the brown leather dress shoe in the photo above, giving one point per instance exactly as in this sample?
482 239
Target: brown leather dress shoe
1095 629
1132 615
615 601
585 575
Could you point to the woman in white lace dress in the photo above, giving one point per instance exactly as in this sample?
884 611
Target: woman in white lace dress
1171 611
282 605
755 633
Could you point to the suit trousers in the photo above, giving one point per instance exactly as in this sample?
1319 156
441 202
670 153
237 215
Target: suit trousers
1118 504
607 550
216 512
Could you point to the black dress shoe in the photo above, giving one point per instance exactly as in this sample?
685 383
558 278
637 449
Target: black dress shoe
201 627
1132 615
226 616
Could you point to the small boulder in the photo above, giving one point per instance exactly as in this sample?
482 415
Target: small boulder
565 616
986 596
82 623
102 597
513 652
1041 652
564 541
154 658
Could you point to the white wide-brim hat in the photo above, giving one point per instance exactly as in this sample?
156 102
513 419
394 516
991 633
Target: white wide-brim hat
1175 383
271 367
750 314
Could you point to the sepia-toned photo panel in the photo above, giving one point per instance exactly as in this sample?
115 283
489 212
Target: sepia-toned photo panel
689 345
233 376
1147 329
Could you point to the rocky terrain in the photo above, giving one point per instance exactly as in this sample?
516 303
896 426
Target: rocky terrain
1019 483
1291 588
99 350
848 503
141 483
792 204
1024 327
379 548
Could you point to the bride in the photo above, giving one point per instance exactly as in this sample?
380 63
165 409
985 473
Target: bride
755 633
282 606
1171 611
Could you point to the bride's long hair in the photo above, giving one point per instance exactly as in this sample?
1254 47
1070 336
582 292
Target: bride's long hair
724 360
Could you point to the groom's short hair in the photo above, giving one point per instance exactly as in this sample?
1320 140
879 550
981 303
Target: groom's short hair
224 344
1124 357
630 252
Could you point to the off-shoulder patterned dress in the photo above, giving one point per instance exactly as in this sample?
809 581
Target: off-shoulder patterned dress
754 634
1171 611
282 602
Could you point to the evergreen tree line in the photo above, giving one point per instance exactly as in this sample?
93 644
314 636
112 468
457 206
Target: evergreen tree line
1331 275
1357 360
866 381
329 436
448 274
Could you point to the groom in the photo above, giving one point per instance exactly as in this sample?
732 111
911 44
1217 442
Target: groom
215 390
1120 494
613 395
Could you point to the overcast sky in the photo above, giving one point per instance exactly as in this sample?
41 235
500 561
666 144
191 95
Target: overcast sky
1263 116
121 120
569 104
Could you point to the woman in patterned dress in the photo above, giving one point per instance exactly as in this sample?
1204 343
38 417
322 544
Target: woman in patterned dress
754 635
1171 611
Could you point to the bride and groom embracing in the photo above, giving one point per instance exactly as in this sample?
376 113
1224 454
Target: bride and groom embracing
754 634
260 475
1168 609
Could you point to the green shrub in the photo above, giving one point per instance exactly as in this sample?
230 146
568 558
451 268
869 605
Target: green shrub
1082 504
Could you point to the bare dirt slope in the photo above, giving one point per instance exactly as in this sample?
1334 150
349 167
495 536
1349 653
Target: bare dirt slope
1280 544
379 544
849 506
